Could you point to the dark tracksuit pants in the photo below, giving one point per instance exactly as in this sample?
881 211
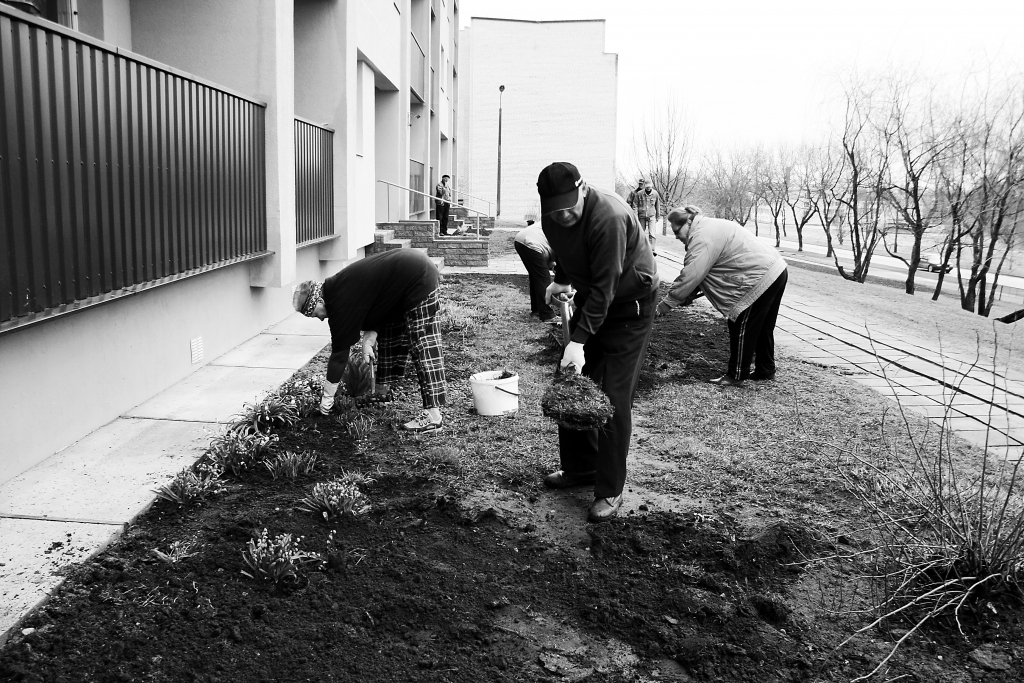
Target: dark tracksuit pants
614 356
540 278
442 210
752 334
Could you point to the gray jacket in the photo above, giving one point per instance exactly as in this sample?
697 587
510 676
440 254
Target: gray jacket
732 266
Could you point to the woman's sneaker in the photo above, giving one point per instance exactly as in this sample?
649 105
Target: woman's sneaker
422 423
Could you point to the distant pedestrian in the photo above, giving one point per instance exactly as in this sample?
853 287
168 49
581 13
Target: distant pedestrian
634 194
443 203
601 252
390 299
742 277
535 252
648 209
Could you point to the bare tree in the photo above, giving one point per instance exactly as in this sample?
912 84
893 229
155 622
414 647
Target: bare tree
663 152
824 180
864 145
798 189
996 166
727 185
772 187
917 149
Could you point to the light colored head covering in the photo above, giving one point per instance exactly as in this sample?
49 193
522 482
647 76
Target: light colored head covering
306 296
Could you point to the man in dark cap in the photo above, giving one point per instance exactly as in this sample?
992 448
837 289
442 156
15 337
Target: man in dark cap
389 299
600 251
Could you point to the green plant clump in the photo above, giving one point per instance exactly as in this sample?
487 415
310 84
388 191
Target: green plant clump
239 451
273 412
576 402
291 465
192 485
303 394
276 560
334 499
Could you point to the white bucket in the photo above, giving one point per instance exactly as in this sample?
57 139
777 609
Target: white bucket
493 396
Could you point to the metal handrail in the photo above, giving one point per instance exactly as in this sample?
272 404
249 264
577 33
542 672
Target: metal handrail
430 196
466 194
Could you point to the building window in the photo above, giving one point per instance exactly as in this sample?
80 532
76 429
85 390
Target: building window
416 200
63 12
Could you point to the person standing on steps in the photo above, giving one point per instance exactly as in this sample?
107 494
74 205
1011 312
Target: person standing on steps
600 251
443 203
742 277
648 208
390 299
535 253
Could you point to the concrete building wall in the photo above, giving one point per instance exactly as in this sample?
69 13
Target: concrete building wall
559 104
340 63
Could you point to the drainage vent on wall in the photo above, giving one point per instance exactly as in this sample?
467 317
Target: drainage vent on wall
197 350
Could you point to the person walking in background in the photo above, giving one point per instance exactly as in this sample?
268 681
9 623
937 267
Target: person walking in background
600 250
648 208
535 253
390 299
742 277
443 203
634 194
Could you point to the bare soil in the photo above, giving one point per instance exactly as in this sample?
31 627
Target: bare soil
467 569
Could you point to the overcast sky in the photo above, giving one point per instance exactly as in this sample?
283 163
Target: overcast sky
766 70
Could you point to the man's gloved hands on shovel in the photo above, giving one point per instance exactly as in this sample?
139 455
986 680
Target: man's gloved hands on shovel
573 355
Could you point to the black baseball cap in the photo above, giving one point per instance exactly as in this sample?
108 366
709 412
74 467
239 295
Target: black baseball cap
559 187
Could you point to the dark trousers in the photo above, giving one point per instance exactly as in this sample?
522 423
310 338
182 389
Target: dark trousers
614 357
442 216
540 277
752 335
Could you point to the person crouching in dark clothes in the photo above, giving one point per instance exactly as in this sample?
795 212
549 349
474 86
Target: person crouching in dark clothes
742 277
535 253
390 299
600 251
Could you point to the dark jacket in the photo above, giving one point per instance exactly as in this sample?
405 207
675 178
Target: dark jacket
607 258
375 291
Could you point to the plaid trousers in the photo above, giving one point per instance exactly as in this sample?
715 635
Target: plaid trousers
419 334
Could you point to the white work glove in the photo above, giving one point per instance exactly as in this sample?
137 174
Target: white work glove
327 401
554 289
573 355
369 342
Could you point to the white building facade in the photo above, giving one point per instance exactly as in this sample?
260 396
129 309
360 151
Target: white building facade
559 104
168 170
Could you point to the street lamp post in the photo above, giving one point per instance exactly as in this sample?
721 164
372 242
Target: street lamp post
497 211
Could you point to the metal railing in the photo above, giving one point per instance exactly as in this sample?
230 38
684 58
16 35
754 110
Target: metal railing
479 199
314 182
429 197
115 172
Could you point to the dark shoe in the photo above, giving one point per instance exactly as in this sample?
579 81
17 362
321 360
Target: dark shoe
561 479
549 318
726 381
604 509
762 376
